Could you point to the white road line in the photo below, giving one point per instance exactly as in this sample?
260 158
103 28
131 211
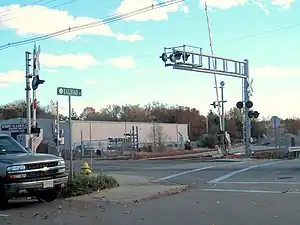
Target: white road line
249 191
258 182
195 170
226 176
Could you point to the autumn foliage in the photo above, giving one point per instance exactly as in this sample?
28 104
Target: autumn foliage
199 124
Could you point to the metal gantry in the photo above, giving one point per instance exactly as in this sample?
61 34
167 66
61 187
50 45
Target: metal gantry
191 58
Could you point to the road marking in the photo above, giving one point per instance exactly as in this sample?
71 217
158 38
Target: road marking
195 170
257 182
3 215
250 191
226 176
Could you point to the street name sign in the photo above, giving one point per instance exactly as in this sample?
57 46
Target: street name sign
69 91
275 122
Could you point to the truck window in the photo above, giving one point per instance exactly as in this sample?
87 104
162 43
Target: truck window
9 146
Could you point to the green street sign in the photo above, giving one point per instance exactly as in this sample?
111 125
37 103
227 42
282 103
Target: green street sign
69 91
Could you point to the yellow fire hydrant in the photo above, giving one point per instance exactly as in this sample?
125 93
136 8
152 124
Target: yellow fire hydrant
85 169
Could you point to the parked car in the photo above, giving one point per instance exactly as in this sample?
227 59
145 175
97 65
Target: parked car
23 173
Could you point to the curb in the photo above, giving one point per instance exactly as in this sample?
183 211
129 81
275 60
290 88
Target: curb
185 157
173 191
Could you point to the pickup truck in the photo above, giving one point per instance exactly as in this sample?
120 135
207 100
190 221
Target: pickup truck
25 174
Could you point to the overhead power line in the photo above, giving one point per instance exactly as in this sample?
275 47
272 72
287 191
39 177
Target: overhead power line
13 11
44 4
266 32
103 21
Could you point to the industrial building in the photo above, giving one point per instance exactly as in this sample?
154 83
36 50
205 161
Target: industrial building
98 133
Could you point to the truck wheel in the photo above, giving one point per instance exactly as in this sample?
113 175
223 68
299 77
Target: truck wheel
47 196
3 199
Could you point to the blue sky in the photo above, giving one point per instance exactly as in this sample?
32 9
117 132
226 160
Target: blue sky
119 63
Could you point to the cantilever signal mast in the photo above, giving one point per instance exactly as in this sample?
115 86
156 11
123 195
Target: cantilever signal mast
215 68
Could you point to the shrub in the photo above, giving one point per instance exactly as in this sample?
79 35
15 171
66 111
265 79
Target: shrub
83 184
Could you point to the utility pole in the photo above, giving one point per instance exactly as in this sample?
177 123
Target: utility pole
70 140
34 73
222 84
57 130
28 77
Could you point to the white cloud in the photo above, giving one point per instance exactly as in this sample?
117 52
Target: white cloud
12 76
91 82
77 61
51 71
125 62
283 3
157 14
40 20
273 71
130 37
262 6
227 4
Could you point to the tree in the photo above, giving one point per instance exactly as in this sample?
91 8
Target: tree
157 137
258 128
88 113
232 128
292 125
235 116
17 109
74 115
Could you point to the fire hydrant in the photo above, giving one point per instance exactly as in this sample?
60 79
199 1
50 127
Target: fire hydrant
85 169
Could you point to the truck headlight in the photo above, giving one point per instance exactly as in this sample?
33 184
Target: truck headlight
61 163
15 168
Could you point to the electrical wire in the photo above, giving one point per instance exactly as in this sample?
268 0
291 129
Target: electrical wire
12 11
52 7
265 32
103 21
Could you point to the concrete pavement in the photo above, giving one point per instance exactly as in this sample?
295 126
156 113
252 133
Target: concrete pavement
248 192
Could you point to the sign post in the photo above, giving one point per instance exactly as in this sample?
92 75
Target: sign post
275 125
70 92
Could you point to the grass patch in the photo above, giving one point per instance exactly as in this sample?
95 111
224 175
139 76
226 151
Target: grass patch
83 184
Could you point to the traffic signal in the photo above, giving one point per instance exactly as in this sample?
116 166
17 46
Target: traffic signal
248 105
214 104
164 57
185 56
175 56
36 82
253 114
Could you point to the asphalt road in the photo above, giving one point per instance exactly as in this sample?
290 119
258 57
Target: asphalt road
246 192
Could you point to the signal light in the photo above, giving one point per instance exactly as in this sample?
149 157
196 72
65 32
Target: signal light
164 57
36 82
253 114
185 56
239 105
249 104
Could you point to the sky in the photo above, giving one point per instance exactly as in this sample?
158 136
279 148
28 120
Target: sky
118 63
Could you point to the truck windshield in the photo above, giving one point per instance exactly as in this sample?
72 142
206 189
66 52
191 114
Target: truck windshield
10 146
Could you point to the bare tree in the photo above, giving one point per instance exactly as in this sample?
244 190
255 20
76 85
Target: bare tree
157 137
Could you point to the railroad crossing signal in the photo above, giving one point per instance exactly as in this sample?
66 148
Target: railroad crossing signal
214 104
248 105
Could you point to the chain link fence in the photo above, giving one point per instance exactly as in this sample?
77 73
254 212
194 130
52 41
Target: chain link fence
115 147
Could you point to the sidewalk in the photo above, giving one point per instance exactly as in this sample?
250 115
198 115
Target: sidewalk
132 189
